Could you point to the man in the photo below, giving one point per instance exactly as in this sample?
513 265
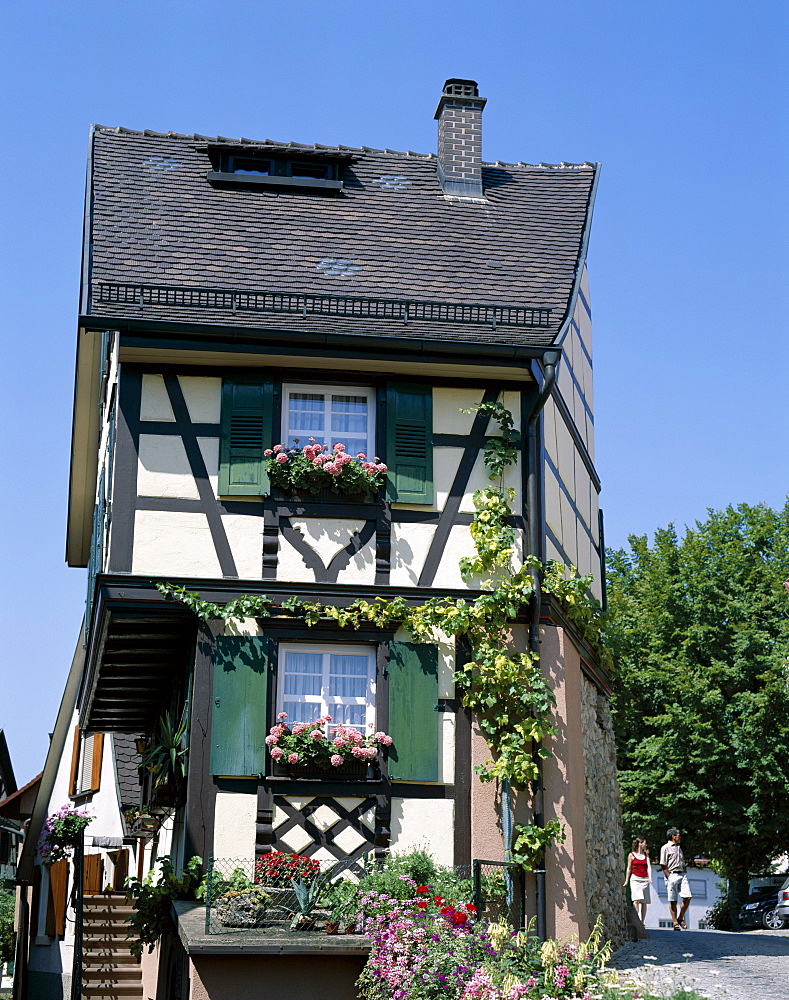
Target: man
672 861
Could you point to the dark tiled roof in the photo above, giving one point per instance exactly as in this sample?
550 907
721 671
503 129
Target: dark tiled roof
390 234
127 762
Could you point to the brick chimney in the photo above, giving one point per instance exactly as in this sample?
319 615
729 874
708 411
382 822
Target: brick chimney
459 115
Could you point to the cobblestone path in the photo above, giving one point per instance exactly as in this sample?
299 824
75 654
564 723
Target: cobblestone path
753 965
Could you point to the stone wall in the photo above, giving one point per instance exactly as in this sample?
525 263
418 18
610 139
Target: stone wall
605 861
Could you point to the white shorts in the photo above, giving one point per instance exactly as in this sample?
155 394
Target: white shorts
639 889
678 886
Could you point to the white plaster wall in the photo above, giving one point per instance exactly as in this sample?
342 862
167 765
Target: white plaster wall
326 537
361 568
203 398
234 825
423 824
154 401
460 544
448 404
553 509
168 543
410 545
163 467
245 537
479 480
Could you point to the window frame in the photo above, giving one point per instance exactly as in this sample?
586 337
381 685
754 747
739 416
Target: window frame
327 649
328 389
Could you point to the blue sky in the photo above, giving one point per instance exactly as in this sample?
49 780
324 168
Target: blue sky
684 103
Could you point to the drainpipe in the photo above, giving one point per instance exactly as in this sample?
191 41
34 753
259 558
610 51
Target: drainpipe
550 362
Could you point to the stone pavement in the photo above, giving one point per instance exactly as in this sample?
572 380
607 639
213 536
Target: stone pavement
752 965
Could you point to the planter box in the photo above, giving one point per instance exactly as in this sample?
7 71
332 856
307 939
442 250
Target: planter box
359 769
324 496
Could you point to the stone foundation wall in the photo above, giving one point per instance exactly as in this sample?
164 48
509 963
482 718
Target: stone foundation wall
605 862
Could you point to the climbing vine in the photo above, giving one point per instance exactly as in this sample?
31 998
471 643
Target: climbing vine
505 689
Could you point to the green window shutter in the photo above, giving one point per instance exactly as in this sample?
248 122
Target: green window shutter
413 719
246 432
409 442
238 719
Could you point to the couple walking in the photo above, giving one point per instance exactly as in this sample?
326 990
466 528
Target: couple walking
672 863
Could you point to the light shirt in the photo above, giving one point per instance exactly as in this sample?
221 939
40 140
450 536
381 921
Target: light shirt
671 857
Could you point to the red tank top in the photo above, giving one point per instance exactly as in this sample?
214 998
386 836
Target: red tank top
638 868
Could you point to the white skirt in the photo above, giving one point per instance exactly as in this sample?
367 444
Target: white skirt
639 889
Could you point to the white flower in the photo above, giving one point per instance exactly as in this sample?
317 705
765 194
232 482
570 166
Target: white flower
687 954
651 958
714 972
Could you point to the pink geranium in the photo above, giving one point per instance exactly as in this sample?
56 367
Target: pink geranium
337 760
282 458
277 752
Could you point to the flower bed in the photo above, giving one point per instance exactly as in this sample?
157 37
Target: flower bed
313 745
318 471
428 947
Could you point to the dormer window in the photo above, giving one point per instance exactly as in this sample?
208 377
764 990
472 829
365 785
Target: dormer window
281 171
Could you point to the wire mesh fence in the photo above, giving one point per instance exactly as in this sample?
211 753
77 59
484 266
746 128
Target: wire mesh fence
280 892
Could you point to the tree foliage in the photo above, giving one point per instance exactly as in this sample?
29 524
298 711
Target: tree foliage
699 630
7 934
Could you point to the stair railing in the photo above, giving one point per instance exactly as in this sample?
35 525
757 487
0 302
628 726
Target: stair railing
77 899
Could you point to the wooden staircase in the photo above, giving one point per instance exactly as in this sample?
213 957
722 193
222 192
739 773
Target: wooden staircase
109 970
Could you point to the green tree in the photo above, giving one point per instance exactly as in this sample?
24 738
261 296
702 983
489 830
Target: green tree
7 935
699 631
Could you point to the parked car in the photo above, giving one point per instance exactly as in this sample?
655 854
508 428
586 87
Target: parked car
760 909
783 901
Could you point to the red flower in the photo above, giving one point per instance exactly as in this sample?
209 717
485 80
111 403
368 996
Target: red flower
470 907
438 900
422 904
458 918
447 909
420 889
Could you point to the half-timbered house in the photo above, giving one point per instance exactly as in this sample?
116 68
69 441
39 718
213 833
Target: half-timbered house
237 294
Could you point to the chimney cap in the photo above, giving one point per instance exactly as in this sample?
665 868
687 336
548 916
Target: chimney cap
461 88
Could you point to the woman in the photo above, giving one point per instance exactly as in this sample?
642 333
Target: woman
639 875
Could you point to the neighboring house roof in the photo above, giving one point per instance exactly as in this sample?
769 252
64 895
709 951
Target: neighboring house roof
20 804
7 779
391 234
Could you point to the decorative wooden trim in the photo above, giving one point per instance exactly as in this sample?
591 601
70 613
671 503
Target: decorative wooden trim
264 824
197 465
311 559
95 770
55 925
124 485
383 546
72 781
446 522
200 789
270 542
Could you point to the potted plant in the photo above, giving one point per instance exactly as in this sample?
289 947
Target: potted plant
62 831
141 822
308 894
165 758
307 749
342 897
315 470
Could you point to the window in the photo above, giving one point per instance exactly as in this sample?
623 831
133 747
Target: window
86 763
249 165
250 168
330 414
327 680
